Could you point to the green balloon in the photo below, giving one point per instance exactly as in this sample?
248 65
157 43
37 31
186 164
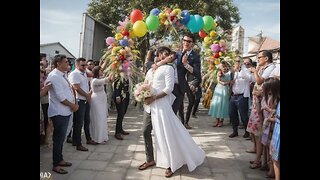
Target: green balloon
152 22
208 23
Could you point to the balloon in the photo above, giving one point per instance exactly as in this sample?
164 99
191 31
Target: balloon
215 48
213 33
124 42
176 12
202 33
199 22
192 24
110 40
208 23
118 36
152 22
155 12
136 15
185 17
139 28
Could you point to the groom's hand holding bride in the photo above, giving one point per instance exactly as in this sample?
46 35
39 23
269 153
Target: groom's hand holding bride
149 100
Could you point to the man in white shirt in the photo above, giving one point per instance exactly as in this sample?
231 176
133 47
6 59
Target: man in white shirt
240 95
78 79
61 105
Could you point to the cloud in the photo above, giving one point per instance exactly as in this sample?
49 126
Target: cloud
58 17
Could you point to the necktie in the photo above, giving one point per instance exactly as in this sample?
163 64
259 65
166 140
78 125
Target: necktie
180 59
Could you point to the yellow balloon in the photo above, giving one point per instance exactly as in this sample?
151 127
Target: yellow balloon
118 36
177 11
220 53
213 33
131 34
207 39
139 28
216 62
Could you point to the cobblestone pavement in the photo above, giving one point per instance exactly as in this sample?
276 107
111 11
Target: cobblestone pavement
226 158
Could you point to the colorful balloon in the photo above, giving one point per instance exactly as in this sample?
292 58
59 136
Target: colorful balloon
152 22
136 15
139 28
202 33
208 23
110 40
155 12
185 17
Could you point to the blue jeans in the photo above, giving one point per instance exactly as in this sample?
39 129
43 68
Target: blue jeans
60 125
238 103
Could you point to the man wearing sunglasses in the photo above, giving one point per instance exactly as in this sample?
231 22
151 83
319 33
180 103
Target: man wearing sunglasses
79 80
188 61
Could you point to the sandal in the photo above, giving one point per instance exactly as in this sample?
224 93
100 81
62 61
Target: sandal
145 165
255 165
168 173
59 170
250 151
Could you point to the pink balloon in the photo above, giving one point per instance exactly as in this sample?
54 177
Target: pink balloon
215 48
110 40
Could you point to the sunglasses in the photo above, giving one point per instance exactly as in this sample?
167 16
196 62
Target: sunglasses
83 65
188 41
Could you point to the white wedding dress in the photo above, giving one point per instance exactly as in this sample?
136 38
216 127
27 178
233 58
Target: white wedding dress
174 145
98 111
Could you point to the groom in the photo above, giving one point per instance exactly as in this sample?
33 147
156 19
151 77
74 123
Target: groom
188 61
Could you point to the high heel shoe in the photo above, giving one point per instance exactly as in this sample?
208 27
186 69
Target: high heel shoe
220 124
217 123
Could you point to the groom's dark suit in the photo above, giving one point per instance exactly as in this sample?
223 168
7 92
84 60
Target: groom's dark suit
182 86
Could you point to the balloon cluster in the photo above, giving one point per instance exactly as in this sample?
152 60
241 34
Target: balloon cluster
121 53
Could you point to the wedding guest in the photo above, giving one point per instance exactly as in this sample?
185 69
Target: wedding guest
61 105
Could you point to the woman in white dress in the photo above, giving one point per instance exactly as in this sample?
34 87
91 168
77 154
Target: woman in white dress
98 107
174 145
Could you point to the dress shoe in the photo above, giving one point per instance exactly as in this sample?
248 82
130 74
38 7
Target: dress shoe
69 140
92 142
246 135
81 148
187 126
118 136
234 134
125 133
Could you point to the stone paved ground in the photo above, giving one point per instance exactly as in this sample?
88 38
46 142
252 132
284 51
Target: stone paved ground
226 158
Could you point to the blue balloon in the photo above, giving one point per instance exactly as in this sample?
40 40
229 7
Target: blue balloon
185 17
192 24
199 22
124 42
155 11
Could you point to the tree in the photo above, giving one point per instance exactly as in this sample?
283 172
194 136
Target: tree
110 11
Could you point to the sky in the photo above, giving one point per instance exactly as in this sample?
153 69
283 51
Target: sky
60 20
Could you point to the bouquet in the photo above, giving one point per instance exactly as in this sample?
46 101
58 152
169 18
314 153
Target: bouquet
143 91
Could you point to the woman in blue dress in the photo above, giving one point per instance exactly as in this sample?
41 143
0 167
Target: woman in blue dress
219 107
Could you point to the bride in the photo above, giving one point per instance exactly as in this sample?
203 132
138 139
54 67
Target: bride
174 145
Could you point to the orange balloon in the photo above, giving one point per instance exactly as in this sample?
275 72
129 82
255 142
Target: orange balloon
202 33
136 15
